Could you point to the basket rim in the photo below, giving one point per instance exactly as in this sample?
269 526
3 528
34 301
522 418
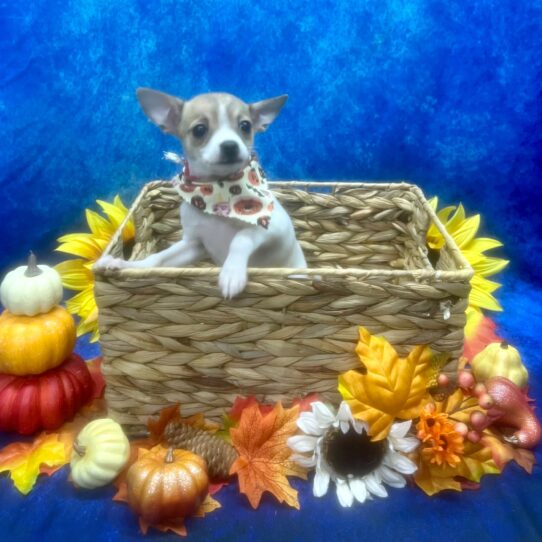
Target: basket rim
464 271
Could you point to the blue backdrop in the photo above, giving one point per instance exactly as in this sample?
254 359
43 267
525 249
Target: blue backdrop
446 94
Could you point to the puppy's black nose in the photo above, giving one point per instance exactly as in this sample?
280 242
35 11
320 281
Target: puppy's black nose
229 150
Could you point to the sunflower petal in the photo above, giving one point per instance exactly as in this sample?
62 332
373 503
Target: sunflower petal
90 248
466 231
490 266
99 225
74 274
484 300
484 284
444 214
345 496
116 211
481 244
457 219
82 304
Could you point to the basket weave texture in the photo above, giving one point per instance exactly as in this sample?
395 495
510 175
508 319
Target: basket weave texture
169 337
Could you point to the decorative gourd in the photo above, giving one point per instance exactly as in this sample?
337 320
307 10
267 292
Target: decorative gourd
500 359
31 289
166 484
511 408
31 403
31 345
100 452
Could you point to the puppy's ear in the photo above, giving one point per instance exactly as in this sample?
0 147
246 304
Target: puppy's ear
163 109
265 112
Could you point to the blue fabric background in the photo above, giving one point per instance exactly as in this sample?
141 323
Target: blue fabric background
446 94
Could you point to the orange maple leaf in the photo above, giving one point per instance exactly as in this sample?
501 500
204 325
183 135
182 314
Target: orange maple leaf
264 457
483 334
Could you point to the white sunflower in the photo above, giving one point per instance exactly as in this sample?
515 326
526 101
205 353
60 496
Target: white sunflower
341 450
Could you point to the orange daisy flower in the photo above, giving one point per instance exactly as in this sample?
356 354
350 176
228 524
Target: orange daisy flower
431 423
442 443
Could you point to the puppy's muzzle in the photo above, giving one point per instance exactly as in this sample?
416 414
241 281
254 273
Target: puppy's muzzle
229 151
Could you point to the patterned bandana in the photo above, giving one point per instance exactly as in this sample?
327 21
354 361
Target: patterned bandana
244 195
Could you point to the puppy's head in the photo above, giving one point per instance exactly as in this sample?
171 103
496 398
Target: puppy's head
216 129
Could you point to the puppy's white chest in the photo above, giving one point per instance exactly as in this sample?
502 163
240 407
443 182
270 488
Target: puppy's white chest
214 232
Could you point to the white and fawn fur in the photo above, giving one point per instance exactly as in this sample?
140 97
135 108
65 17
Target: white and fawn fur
217 132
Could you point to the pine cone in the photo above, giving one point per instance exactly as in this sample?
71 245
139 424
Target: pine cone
218 454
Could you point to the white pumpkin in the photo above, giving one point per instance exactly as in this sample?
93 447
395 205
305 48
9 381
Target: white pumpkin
31 289
100 452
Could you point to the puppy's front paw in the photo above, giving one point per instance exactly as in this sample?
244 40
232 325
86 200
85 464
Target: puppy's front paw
110 263
232 281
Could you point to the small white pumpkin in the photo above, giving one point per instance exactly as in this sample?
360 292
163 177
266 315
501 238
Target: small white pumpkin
100 452
31 289
500 359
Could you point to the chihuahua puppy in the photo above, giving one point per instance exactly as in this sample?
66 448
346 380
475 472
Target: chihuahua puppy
227 213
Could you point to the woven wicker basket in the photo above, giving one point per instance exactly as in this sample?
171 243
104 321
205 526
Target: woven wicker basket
169 337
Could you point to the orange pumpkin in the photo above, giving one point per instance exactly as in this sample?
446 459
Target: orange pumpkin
165 484
31 345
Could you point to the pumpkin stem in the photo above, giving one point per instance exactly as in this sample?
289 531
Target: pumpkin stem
504 344
78 449
32 269
169 456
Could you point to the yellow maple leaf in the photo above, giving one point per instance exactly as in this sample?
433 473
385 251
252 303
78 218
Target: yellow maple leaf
503 452
474 460
264 457
477 460
23 460
392 387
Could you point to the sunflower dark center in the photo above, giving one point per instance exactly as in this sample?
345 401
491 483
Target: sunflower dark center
352 453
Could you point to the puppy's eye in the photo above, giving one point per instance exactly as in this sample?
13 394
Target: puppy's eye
199 131
245 126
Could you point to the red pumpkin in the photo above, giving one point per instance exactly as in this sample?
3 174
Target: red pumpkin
32 403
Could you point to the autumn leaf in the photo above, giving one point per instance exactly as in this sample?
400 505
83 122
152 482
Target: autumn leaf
240 404
207 506
477 460
24 460
392 387
157 425
49 452
503 452
304 403
175 526
95 369
264 457
459 406
479 334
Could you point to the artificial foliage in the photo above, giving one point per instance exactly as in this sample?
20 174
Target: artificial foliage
264 461
399 419
77 273
463 231
386 386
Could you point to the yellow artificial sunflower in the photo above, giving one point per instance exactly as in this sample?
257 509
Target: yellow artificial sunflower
77 273
463 230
